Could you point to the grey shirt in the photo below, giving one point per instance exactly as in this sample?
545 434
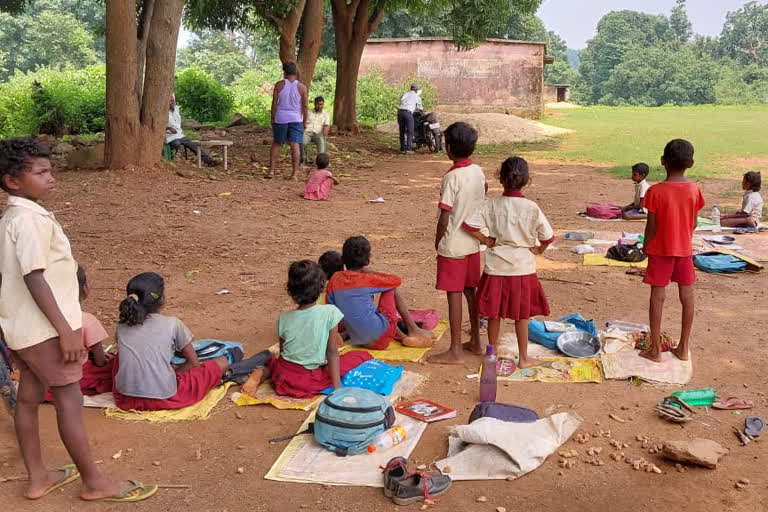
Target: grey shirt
145 356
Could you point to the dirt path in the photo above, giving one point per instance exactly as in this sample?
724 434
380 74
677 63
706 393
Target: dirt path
124 223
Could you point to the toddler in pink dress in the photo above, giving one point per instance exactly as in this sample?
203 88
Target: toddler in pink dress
320 181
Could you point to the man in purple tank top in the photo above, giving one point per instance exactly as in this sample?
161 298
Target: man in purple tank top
289 117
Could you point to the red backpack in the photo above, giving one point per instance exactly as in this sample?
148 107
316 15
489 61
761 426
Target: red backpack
604 211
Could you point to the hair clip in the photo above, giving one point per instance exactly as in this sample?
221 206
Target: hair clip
154 295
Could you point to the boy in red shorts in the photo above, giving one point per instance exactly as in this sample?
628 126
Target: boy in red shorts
672 207
458 253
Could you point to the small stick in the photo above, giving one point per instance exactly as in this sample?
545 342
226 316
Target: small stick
13 478
426 259
586 283
173 486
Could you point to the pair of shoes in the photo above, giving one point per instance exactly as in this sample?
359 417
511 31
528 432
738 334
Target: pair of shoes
405 489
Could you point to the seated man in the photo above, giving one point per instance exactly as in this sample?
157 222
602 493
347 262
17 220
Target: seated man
176 139
318 124
352 291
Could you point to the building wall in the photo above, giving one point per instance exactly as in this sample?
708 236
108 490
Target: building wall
550 93
494 77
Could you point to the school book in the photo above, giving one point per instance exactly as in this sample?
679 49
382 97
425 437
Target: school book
426 410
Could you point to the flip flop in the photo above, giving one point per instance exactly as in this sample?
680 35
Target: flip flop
755 426
732 403
70 475
131 494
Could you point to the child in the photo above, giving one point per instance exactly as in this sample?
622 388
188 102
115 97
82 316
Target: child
751 205
144 377
41 321
352 291
330 262
635 210
518 231
93 332
309 359
458 254
672 207
320 181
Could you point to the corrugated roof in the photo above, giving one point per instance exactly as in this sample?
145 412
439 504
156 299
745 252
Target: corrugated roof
410 39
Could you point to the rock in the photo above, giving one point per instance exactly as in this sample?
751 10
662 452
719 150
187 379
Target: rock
239 415
421 467
62 148
481 499
501 509
184 173
702 452
240 471
156 463
87 158
189 124
237 120
207 127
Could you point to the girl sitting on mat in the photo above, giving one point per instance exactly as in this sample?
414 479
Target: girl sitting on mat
144 379
751 206
517 231
309 359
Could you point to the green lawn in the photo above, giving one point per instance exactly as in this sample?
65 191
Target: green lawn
728 140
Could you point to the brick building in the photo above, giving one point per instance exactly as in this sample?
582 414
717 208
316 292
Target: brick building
496 76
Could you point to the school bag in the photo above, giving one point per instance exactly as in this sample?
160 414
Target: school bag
208 349
538 333
503 412
632 253
349 419
603 211
716 263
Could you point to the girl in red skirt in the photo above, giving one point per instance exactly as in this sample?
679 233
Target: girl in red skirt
517 231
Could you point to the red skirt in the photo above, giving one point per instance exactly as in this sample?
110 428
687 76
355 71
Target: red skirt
294 380
191 387
511 297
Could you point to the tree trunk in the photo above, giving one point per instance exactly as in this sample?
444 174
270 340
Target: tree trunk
311 39
122 118
352 27
158 78
287 28
145 19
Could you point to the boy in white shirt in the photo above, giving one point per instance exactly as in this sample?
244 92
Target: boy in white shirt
635 210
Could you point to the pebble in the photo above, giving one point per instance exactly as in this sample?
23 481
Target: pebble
447 469
481 499
239 415
501 509
117 455
156 463
744 481
240 471
511 478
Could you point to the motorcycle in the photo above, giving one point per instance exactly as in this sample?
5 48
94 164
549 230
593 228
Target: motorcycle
427 131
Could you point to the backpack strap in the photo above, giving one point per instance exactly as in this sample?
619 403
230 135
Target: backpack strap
309 430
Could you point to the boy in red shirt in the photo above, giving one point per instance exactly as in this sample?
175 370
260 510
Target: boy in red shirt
672 207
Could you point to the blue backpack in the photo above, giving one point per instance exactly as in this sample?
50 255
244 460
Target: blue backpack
716 263
538 333
349 419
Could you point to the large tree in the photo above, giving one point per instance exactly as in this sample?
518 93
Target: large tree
745 34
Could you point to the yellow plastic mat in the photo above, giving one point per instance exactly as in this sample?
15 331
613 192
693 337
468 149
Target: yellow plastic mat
601 260
398 352
199 411
265 394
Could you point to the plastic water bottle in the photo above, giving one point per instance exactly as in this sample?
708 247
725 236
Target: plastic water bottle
697 397
488 377
627 326
715 219
388 439
579 236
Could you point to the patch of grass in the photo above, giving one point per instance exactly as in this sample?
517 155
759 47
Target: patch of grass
617 137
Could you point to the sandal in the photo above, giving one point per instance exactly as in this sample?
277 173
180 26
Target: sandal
420 487
136 492
71 474
732 403
675 410
395 471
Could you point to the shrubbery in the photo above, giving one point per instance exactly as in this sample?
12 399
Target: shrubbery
202 98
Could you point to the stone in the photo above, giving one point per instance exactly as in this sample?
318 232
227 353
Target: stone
87 158
238 120
240 471
62 148
702 452
189 124
481 499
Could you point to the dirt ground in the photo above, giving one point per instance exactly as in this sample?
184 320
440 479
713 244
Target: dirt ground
245 235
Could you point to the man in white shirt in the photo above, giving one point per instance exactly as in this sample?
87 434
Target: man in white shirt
318 124
410 102
175 138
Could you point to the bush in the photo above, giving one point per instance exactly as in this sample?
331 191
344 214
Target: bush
202 98
376 100
53 102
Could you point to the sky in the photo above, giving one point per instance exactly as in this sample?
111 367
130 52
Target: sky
576 20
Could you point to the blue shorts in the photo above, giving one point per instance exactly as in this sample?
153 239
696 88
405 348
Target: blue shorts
294 132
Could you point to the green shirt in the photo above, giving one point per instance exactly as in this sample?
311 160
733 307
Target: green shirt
305 334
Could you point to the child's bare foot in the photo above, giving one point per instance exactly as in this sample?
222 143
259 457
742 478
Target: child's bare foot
254 381
448 357
473 347
651 355
422 333
54 479
529 362
418 341
680 353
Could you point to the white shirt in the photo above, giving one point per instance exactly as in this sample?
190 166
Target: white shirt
31 239
174 121
752 204
316 121
410 102
517 224
640 190
461 193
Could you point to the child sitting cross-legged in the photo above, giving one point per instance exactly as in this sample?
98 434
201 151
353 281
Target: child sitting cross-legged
320 181
353 290
751 206
635 210
145 380
309 359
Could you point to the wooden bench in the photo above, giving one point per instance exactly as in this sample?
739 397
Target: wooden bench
210 144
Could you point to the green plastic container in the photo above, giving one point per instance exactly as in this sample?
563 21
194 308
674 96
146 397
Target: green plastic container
697 397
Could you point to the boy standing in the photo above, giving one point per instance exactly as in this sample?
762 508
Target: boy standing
458 253
41 320
635 210
672 207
